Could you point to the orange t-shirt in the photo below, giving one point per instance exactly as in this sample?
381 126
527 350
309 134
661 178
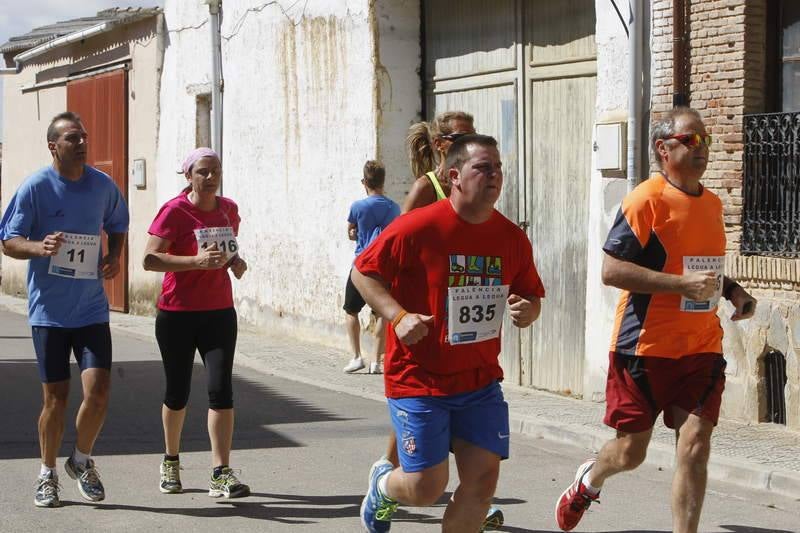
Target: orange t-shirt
663 228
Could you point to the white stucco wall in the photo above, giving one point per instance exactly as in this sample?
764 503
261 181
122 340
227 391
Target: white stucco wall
605 193
300 120
397 70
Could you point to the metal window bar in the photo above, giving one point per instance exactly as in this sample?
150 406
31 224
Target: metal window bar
771 185
775 376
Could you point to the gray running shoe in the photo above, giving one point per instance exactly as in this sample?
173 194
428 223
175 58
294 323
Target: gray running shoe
47 491
170 477
227 485
89 484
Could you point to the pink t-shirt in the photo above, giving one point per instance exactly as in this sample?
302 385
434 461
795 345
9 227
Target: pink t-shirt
194 290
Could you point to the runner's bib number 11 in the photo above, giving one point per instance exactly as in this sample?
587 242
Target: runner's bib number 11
475 313
77 257
223 237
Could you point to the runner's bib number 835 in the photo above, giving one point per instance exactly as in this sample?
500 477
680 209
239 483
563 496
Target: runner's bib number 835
223 237
77 257
699 263
475 313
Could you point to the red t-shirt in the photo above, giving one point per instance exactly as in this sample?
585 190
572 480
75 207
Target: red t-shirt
193 290
420 255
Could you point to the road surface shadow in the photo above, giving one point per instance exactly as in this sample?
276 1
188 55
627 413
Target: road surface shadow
133 424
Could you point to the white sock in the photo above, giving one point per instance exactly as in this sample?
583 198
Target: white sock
45 470
382 485
594 491
80 458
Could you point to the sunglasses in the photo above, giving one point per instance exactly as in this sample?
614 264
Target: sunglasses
692 140
452 136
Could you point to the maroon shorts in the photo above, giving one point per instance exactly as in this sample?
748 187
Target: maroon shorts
639 388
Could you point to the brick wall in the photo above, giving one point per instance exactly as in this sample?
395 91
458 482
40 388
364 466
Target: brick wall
727 80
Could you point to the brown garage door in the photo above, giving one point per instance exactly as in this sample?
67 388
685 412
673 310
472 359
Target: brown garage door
101 101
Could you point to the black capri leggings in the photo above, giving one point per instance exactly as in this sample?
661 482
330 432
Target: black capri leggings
213 334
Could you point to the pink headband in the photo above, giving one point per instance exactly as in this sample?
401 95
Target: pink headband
195 155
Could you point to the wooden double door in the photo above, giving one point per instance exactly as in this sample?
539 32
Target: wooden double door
526 70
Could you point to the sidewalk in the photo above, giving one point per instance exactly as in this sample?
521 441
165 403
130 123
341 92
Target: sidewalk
763 456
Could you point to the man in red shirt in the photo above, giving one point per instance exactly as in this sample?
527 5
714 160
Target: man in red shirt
666 251
443 275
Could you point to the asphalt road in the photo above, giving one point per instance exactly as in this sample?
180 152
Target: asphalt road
305 452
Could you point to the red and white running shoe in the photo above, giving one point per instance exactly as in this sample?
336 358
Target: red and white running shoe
575 500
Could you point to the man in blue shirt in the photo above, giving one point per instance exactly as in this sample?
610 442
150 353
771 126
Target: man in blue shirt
367 218
55 221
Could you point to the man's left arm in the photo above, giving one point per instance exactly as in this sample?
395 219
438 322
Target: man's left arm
109 266
740 298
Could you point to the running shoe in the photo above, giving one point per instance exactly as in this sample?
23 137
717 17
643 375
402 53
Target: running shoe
170 477
47 491
227 485
354 365
376 368
377 509
493 521
575 500
89 484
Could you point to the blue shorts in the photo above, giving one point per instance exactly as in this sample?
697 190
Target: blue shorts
426 425
90 344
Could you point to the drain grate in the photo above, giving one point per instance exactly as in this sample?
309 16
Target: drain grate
775 377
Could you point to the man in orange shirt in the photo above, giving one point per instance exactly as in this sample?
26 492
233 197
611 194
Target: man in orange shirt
666 251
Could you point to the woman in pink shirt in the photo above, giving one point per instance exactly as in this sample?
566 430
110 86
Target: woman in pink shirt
193 241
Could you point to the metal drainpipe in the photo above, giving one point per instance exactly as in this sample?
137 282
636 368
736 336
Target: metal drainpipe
635 68
214 9
680 92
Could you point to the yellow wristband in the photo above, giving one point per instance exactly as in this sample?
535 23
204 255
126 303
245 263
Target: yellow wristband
398 317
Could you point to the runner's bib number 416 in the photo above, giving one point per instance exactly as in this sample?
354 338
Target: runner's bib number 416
475 313
77 257
223 237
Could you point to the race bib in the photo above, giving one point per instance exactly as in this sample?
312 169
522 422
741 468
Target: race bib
77 257
223 237
699 263
475 313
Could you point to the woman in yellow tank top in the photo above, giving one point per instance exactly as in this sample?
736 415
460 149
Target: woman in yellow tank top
427 144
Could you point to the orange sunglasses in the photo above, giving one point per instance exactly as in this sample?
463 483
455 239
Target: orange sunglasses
692 140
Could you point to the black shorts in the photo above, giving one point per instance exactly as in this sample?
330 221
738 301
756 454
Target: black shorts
353 302
90 344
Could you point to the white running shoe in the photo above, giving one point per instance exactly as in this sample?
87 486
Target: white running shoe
375 368
354 365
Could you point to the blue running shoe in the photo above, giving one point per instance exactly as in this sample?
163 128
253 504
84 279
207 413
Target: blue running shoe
377 509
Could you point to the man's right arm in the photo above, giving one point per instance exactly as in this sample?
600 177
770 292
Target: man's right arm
409 327
638 279
21 248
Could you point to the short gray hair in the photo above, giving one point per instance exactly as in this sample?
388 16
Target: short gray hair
665 127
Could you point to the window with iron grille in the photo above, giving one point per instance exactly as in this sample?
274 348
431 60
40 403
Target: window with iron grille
771 186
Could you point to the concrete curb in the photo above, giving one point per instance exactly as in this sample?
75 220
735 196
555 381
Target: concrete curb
722 468
735 471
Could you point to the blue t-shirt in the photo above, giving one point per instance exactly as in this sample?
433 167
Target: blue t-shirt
46 203
369 213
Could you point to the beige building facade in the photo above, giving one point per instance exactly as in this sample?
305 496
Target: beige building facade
125 57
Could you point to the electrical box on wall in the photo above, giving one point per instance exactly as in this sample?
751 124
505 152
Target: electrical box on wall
610 146
139 177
